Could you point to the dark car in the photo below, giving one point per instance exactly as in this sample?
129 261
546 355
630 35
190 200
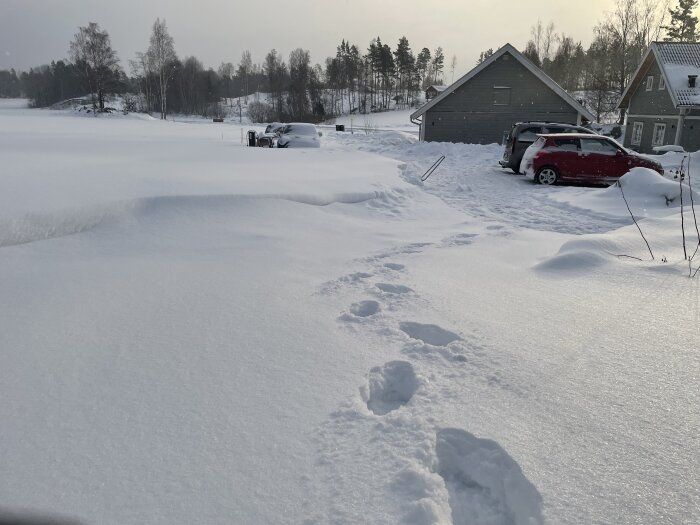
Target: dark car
268 139
523 134
577 157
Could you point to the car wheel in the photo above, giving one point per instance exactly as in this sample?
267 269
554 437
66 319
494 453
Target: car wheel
547 175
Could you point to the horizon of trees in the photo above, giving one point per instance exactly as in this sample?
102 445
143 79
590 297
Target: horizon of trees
354 80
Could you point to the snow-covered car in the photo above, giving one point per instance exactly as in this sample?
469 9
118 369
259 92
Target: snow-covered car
268 138
578 157
298 135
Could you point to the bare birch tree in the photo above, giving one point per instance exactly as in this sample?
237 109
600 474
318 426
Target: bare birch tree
91 51
161 54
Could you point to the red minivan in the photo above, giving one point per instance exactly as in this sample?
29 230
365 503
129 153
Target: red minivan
576 157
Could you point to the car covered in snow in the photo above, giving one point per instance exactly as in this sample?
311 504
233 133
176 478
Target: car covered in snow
578 157
298 135
523 134
269 137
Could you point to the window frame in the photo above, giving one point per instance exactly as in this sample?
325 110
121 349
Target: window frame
636 139
499 90
650 82
662 83
658 126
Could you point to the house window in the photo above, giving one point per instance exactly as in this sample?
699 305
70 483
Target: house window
637 133
650 83
659 133
662 84
501 96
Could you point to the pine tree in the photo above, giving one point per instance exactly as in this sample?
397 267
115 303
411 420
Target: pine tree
683 25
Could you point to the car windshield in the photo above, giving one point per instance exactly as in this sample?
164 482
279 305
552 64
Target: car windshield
300 130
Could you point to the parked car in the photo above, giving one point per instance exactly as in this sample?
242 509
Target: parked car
298 135
523 134
268 139
579 157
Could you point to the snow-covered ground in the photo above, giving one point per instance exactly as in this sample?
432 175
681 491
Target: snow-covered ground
193 331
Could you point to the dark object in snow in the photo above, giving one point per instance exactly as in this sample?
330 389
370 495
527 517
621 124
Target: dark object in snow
340 127
432 169
218 119
251 138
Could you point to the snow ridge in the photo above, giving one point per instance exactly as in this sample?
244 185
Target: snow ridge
33 227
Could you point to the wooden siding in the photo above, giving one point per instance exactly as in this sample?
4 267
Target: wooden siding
654 102
469 114
648 130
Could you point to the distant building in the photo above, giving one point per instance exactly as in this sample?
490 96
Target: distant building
663 98
483 105
433 91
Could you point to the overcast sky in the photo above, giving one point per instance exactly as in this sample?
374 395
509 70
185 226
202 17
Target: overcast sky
34 32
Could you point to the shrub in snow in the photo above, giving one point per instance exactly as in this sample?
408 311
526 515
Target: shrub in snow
260 112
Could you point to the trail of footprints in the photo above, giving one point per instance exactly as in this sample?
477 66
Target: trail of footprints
485 485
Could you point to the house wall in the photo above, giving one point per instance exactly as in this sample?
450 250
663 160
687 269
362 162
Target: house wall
648 130
649 107
654 102
470 115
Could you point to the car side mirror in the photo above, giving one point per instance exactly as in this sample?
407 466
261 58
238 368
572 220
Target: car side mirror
619 153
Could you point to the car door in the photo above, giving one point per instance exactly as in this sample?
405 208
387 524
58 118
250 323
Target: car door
600 160
564 156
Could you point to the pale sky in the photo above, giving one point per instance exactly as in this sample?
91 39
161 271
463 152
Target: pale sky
34 32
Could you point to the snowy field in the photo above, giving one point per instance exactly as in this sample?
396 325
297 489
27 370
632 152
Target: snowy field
193 331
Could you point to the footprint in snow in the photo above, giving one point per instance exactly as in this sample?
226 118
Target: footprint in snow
390 386
393 288
364 308
486 486
394 266
415 247
461 239
429 333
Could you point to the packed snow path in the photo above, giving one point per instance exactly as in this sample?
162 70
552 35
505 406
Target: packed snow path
471 180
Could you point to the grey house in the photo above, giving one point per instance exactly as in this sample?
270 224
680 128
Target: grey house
483 105
663 98
433 91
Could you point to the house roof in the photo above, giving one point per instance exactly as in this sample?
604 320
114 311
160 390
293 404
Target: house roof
525 62
676 61
438 88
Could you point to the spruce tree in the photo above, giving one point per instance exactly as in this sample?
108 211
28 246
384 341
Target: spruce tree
683 25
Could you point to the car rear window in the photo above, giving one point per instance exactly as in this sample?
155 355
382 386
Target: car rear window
529 134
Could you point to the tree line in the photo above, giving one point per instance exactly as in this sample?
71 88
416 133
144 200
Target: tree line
354 80
161 82
599 74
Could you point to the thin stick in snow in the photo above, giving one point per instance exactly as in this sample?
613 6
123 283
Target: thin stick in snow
635 220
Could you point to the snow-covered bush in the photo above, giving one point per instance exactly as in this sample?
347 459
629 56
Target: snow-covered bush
260 112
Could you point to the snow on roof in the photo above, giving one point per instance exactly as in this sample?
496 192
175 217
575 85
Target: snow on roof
677 60
438 88
447 90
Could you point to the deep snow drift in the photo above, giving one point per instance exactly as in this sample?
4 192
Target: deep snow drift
197 332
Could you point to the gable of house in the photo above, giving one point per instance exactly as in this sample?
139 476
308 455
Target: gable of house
659 99
484 104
